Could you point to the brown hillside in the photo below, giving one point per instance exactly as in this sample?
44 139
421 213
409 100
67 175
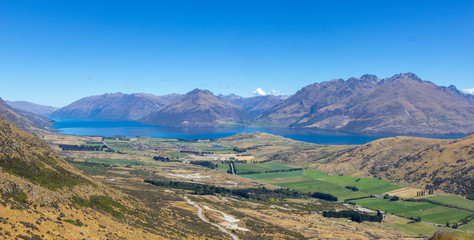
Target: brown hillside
424 163
27 121
400 104
43 197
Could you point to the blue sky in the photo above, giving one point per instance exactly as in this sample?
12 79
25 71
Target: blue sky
55 52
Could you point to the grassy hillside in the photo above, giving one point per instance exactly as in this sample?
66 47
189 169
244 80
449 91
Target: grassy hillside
43 197
446 165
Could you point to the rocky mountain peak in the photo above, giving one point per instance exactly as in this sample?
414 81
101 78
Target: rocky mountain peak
199 91
409 75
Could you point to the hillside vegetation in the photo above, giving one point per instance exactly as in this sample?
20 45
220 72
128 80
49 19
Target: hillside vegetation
447 165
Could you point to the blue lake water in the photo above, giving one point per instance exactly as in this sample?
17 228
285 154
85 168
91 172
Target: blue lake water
133 129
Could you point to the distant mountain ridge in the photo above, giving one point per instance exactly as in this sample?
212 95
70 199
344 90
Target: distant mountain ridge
32 107
24 120
255 105
198 108
116 106
399 104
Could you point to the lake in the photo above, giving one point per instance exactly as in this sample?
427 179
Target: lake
133 129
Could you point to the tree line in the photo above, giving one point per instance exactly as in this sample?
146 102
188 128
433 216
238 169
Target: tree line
67 147
355 216
261 193
205 164
270 171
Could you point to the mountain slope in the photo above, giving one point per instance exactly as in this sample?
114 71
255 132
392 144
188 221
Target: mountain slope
32 107
115 106
255 105
43 197
421 162
27 121
400 104
198 108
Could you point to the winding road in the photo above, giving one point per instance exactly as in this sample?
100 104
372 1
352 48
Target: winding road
205 220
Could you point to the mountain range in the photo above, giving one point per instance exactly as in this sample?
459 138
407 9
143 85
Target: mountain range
198 108
399 104
402 104
255 105
32 107
24 120
116 106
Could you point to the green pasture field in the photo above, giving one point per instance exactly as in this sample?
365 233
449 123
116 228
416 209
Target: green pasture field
468 227
427 211
311 185
369 185
453 201
273 175
417 228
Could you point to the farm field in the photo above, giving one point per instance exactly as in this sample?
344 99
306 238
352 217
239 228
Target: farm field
369 185
468 227
453 200
311 185
273 175
135 161
317 181
426 211
417 228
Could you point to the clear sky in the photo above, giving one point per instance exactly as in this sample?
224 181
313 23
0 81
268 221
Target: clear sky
55 52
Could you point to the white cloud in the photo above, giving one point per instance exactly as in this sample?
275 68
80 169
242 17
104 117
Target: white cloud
276 93
259 92
469 90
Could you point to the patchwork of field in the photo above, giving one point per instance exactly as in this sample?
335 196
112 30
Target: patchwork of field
417 228
277 175
135 160
315 181
426 211
318 181
368 185
453 201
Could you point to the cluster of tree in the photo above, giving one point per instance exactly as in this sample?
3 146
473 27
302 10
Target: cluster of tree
354 216
270 171
391 198
239 150
207 164
164 159
261 193
415 219
324 196
67 147
113 151
423 193
232 169
195 152
353 188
